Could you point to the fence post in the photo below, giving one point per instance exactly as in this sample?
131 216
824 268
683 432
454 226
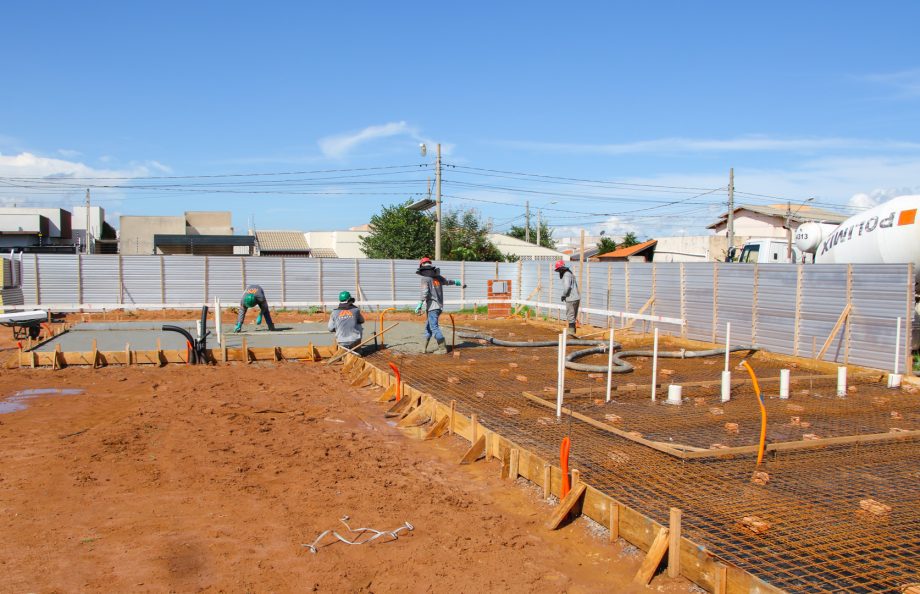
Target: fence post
609 285
162 280
654 287
798 310
587 316
79 277
38 285
754 304
552 299
121 279
715 300
462 285
206 277
846 329
393 279
243 271
683 301
626 285
283 283
320 286
520 279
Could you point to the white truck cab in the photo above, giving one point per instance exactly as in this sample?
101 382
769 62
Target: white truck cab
763 251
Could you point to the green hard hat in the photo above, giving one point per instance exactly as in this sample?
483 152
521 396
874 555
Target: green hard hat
344 296
249 300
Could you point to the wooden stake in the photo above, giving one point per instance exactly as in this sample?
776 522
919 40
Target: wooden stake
674 544
547 481
474 427
642 309
515 464
720 581
389 394
127 353
475 452
614 521
567 504
453 415
489 437
830 338
245 348
95 354
576 477
653 558
438 429
159 353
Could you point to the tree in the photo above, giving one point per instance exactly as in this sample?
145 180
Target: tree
546 234
399 233
465 237
629 240
606 245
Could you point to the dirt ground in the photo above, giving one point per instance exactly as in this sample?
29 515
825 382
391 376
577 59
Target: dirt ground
210 479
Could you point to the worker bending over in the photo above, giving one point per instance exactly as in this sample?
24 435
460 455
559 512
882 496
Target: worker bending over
570 294
253 296
433 301
347 322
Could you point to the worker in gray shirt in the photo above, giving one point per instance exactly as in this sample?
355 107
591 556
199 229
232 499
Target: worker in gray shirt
432 300
347 322
254 296
570 295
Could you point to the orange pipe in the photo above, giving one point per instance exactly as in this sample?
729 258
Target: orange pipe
188 353
398 381
453 338
380 323
763 414
564 448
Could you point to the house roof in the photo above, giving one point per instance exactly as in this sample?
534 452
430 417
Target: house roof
282 241
323 253
518 247
801 214
626 252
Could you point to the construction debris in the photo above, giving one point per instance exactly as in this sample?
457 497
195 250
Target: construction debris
755 524
375 534
874 507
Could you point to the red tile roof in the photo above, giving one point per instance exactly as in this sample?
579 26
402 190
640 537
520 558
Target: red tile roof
628 251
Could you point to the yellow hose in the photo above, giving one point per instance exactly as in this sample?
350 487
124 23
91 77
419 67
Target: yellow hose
763 413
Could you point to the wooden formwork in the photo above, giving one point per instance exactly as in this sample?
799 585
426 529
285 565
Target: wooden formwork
427 417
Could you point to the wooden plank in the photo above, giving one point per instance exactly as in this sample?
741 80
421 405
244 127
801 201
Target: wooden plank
653 558
641 311
614 523
674 543
476 451
438 429
514 463
547 481
830 338
362 377
389 394
566 506
419 416
362 343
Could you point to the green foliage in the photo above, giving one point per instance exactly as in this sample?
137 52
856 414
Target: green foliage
479 309
606 245
629 240
546 234
399 233
465 237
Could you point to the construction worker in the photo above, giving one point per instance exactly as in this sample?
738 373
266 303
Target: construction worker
253 296
433 301
347 322
570 295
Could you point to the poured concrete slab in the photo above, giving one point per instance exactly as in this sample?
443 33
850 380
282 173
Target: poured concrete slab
143 335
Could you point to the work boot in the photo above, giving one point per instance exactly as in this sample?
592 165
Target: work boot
442 347
425 348
572 330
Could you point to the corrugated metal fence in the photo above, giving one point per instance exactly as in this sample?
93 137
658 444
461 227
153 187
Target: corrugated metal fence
785 308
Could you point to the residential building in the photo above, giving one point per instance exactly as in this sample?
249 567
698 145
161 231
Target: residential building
641 252
282 243
512 246
770 221
36 229
196 232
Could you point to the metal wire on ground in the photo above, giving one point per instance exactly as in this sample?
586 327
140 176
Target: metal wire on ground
392 534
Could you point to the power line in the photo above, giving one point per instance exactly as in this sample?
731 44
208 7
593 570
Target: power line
276 173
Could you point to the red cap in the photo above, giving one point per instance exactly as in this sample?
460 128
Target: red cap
559 264
425 260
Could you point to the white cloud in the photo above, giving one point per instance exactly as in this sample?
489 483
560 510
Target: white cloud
340 145
752 143
906 83
69 153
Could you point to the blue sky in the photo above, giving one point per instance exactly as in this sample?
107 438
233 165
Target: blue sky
803 99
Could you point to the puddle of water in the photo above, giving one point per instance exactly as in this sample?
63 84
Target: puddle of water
17 401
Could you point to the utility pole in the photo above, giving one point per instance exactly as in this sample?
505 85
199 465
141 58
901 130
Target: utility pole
437 208
527 224
539 224
88 236
789 231
731 208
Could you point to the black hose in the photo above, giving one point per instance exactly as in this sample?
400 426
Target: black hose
600 347
193 356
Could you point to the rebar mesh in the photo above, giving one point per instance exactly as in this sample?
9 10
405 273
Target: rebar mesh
818 537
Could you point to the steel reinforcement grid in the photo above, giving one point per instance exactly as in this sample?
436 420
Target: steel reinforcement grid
814 533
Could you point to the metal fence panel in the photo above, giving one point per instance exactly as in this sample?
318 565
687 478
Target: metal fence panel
823 299
667 295
376 279
736 282
775 311
100 279
301 279
698 300
184 276
57 278
141 279
225 279
265 272
879 295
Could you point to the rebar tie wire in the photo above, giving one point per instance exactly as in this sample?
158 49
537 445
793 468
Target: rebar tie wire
393 534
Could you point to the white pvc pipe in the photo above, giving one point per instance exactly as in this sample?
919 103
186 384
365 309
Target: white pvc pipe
784 384
674 394
897 348
726 386
728 341
560 388
220 333
609 365
655 365
841 381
